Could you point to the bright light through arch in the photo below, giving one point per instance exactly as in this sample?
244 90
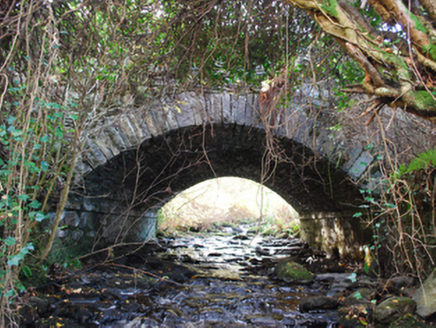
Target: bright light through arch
227 200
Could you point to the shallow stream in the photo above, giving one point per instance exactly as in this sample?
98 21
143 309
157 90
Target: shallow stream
225 279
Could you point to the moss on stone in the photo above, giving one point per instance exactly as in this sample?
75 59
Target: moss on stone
393 308
293 272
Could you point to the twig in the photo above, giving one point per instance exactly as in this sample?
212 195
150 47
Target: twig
139 270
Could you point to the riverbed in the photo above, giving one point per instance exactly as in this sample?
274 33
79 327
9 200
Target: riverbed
222 279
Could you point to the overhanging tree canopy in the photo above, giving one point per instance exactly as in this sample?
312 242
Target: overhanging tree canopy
393 41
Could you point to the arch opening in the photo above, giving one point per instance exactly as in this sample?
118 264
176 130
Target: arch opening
225 202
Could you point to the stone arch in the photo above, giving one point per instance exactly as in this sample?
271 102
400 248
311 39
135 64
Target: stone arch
304 120
117 195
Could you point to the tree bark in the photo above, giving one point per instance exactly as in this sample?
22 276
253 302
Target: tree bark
398 76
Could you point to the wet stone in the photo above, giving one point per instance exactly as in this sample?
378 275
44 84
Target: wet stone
288 322
317 303
39 304
264 322
393 308
359 297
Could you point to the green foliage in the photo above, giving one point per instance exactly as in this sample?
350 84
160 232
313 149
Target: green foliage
27 175
422 161
403 206
352 277
15 259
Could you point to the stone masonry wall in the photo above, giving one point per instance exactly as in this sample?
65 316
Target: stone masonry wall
133 161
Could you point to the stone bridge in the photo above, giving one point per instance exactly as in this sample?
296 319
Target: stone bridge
137 159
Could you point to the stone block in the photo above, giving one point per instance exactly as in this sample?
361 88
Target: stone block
73 204
353 152
135 119
114 135
184 115
304 128
291 123
168 114
142 124
81 169
70 218
94 155
238 110
111 139
61 233
87 220
372 182
101 143
149 120
325 144
226 107
209 104
361 164
127 133
252 110
218 109
233 106
200 110
147 229
77 234
425 297
160 119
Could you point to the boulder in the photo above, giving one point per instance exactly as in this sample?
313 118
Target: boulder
402 282
359 297
293 272
39 304
317 303
393 308
425 297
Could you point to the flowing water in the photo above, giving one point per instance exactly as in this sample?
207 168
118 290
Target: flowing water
196 280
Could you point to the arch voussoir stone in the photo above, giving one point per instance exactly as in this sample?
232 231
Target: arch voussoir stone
226 107
133 119
116 139
127 132
252 111
170 119
184 114
148 119
238 109
195 106
107 144
95 155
